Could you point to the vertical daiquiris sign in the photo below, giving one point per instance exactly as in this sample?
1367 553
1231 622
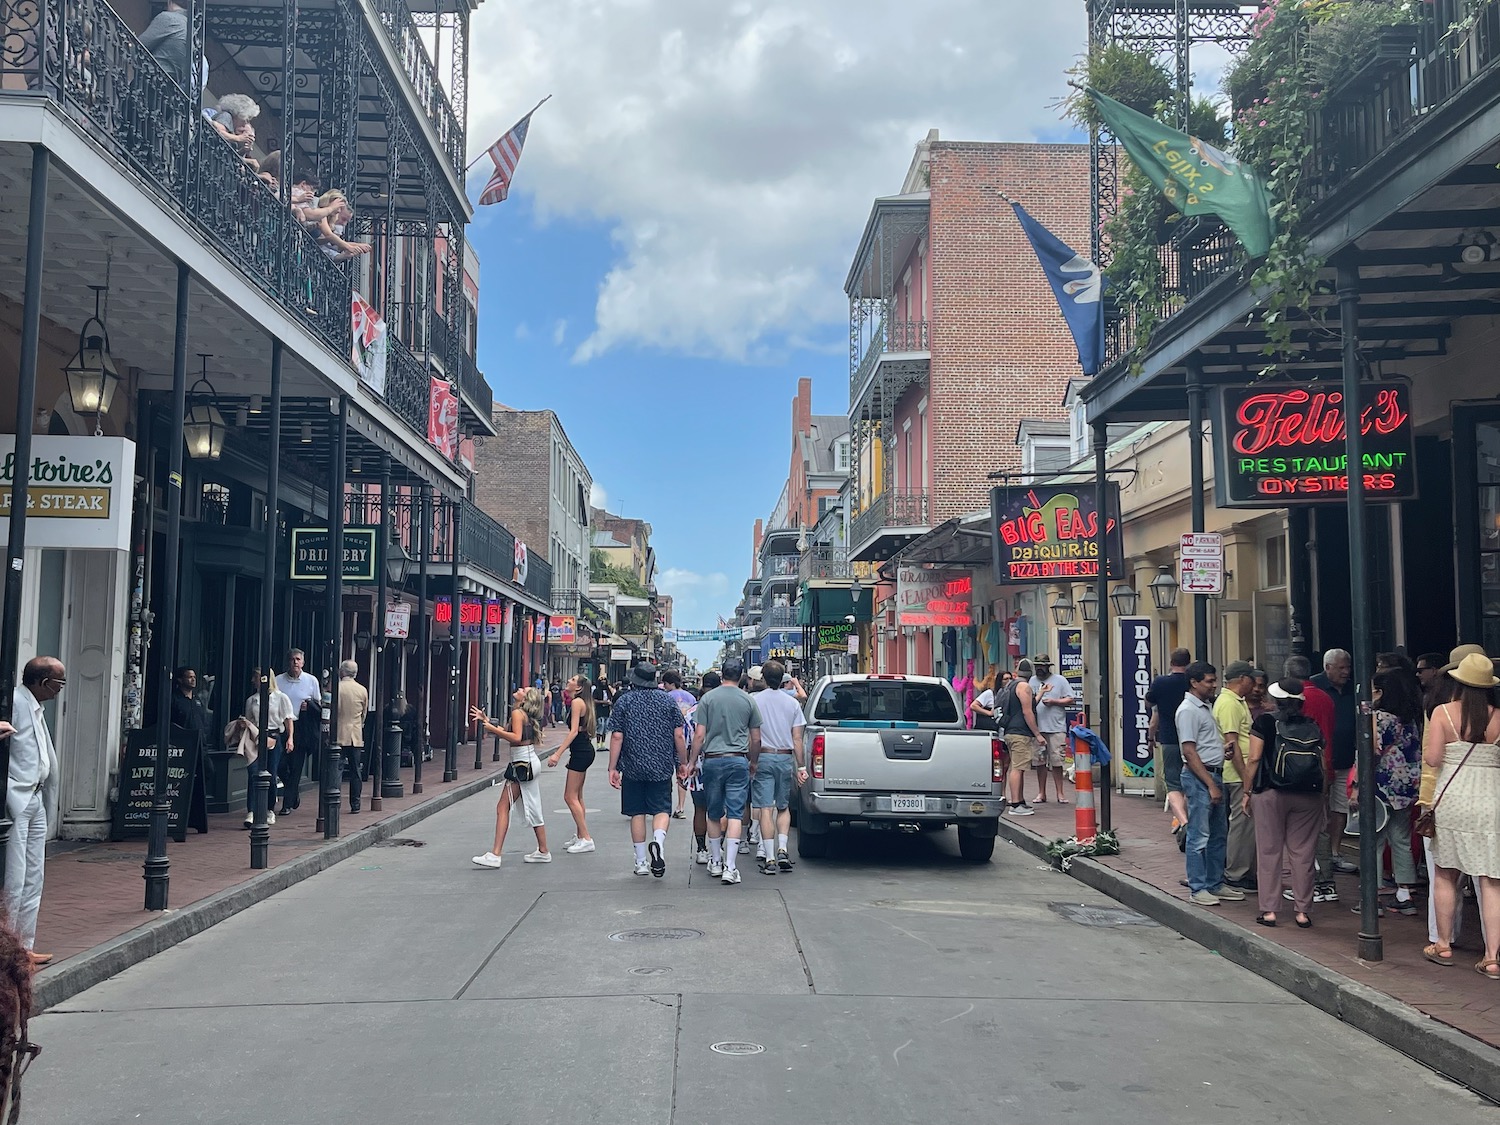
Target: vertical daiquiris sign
1135 712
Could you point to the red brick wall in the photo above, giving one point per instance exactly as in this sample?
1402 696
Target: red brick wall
1001 350
513 475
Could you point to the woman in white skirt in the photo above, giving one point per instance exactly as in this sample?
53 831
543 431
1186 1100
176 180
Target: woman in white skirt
1463 739
521 776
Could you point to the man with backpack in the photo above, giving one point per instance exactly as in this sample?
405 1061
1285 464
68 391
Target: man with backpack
1203 785
1015 712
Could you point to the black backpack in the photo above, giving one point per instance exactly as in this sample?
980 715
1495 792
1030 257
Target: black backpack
1295 762
1006 706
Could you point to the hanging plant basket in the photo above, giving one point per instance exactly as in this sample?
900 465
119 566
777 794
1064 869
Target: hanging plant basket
1395 46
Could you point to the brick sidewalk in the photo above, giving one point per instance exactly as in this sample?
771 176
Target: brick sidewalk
94 892
1458 996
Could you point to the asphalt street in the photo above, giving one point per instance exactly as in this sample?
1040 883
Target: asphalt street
889 983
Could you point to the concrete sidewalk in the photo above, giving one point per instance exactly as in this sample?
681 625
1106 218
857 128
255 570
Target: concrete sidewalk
1401 1000
92 920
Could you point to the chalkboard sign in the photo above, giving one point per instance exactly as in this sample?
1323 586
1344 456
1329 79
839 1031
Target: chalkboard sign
185 786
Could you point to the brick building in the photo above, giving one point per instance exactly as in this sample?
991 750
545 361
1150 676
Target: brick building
955 339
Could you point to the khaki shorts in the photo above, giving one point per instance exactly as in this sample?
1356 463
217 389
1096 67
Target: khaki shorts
1022 749
1338 796
1054 752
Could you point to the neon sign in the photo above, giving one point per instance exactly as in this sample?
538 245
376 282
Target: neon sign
933 597
1049 533
1277 445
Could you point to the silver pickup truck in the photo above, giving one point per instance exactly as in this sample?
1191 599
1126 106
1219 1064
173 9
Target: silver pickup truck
889 751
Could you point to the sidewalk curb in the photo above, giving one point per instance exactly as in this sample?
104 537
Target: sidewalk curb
82 972
1448 1051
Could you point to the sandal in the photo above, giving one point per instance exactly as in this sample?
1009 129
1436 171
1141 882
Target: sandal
1267 919
1303 921
1435 955
1483 968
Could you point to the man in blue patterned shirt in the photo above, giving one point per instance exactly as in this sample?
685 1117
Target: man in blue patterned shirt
646 748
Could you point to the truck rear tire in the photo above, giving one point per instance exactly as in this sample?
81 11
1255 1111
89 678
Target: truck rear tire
811 845
975 848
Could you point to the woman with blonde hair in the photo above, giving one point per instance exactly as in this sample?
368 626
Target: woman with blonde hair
582 727
521 782
983 707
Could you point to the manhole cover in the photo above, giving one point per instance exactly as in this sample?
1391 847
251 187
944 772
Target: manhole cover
649 971
400 842
1099 915
737 1048
113 857
667 933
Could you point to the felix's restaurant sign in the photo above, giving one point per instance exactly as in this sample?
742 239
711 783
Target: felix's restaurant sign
1048 533
78 491
1282 444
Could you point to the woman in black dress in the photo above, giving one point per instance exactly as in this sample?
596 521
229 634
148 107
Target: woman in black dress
580 748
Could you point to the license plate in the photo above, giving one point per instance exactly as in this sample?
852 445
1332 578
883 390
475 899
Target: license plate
901 803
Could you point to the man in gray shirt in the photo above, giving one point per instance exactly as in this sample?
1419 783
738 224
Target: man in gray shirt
1053 695
726 736
1203 786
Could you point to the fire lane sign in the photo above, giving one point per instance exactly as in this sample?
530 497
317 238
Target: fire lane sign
1202 567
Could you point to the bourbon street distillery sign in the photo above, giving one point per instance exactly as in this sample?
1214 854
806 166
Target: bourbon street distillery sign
1278 444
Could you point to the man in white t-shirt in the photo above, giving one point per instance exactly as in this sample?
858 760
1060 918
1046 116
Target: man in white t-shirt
280 739
305 694
777 767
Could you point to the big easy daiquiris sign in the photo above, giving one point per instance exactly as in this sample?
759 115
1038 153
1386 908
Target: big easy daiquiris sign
1048 533
1279 444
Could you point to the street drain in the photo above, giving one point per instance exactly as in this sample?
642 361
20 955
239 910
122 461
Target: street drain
1103 916
737 1048
649 971
400 842
668 933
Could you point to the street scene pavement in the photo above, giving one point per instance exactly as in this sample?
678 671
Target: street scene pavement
891 982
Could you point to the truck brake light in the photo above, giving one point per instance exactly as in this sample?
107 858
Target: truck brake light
997 759
817 756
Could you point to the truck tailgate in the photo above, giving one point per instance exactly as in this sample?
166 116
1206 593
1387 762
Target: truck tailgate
897 759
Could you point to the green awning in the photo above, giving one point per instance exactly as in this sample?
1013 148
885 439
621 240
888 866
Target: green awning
827 605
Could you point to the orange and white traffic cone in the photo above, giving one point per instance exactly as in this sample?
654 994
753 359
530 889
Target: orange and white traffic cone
1085 826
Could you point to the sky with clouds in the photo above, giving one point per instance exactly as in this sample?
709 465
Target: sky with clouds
671 257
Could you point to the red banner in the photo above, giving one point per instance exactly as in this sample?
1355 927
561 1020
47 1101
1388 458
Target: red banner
442 418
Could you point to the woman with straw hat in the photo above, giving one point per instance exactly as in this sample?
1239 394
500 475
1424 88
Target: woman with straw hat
1463 740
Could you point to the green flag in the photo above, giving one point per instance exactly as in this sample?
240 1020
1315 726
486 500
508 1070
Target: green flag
1196 178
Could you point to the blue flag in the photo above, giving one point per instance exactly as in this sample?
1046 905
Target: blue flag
1078 285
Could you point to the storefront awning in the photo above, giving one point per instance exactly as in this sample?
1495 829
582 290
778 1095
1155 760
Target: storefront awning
964 541
825 605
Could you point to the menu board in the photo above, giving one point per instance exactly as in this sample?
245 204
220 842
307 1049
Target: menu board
185 788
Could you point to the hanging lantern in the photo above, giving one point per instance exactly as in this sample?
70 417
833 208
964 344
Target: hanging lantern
92 377
203 426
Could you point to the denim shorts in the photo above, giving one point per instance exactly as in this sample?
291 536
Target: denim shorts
726 785
772 786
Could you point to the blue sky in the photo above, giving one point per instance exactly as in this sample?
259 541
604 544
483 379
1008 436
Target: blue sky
671 258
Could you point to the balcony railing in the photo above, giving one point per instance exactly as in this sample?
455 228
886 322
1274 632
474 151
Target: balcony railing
890 509
401 30
778 617
825 562
777 566
408 390
470 381
890 336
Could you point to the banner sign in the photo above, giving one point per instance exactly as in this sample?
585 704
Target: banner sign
782 644
442 418
494 619
310 550
1135 712
1046 533
563 631
934 597
77 492
369 336
1277 444
835 638
678 636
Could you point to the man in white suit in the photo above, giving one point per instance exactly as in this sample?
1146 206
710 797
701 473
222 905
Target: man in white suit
33 785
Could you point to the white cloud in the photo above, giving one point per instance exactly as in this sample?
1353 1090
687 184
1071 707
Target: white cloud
734 149
559 331
598 498
697 599
523 331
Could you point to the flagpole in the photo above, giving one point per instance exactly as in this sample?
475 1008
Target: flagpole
534 108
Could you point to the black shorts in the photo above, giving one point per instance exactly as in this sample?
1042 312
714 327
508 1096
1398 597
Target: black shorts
581 754
645 798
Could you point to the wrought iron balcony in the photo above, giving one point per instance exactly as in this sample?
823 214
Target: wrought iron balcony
777 567
901 512
897 337
825 562
778 617
470 380
401 30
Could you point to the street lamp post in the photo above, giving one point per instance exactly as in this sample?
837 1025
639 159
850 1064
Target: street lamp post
397 568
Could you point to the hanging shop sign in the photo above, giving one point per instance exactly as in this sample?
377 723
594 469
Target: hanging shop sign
853 644
562 630
934 597
77 492
835 638
369 336
470 616
311 547
619 656
1135 712
494 619
1047 533
1277 444
782 644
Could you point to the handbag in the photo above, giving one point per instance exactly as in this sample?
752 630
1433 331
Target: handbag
1426 822
519 772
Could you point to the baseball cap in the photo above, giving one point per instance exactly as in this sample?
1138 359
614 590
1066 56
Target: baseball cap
1237 668
732 669
755 672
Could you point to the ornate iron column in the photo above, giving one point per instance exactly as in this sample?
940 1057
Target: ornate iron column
333 757
383 693
455 650
264 781
424 637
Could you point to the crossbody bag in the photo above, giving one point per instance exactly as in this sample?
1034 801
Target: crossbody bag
1426 822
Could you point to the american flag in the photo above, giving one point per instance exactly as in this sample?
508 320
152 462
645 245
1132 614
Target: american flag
506 153
723 624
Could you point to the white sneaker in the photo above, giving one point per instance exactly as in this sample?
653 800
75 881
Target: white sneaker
731 876
537 856
715 869
1020 810
702 856
488 859
643 868
744 847
578 847
270 818
573 839
249 820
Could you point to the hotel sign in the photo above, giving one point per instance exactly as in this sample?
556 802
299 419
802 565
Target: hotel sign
1279 444
78 492
1047 533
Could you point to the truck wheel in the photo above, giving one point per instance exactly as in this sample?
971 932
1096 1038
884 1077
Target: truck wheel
811 845
975 849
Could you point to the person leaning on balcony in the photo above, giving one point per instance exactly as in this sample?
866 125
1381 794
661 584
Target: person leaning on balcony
232 121
327 220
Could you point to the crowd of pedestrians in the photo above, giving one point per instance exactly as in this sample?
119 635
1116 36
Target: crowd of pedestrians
1260 778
